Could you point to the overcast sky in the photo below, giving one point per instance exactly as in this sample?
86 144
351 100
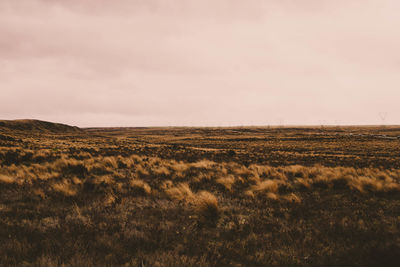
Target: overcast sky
200 62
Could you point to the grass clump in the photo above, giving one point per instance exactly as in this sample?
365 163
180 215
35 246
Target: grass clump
65 188
227 182
206 205
180 192
5 179
139 187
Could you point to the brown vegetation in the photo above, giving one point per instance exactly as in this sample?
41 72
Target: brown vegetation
198 197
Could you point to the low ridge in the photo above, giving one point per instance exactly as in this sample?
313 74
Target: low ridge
38 126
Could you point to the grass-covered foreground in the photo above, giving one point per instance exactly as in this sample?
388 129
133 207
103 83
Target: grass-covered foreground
198 197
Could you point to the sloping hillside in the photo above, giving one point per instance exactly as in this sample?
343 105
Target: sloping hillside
37 126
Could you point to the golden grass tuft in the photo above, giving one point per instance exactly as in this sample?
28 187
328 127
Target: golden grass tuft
39 193
103 179
303 183
249 193
203 164
261 170
292 197
254 178
76 180
140 186
180 167
180 192
48 175
266 186
65 188
272 196
77 216
242 170
110 162
141 170
109 199
166 184
227 181
161 170
392 187
5 179
206 205
203 177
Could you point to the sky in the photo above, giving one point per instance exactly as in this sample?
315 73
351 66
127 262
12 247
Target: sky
200 63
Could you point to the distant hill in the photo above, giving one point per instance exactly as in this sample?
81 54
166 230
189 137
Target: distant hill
37 126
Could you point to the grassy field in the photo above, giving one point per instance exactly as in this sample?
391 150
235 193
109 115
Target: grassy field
244 196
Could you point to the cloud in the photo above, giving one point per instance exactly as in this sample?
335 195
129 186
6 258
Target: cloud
199 62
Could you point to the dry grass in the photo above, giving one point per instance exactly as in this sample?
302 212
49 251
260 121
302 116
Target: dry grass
255 179
227 182
206 205
161 170
6 179
180 192
292 197
65 188
203 164
266 186
138 186
271 195
145 197
39 192
141 171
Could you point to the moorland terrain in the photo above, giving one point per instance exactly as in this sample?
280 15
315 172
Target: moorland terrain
237 196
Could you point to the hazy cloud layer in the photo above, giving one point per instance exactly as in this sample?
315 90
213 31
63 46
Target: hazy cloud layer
209 62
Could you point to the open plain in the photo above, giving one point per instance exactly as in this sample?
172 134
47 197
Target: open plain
237 196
